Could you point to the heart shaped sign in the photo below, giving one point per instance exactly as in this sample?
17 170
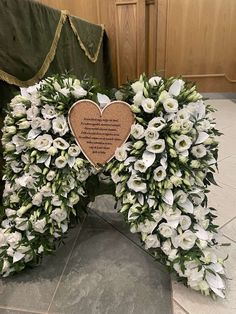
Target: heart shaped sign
99 132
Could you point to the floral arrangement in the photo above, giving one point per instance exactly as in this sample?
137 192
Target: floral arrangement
161 175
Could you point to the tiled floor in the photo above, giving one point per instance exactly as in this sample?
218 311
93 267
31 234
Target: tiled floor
103 269
223 198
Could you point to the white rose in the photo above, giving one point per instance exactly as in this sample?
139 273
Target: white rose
156 146
79 92
137 131
121 153
165 230
154 81
60 143
183 143
170 105
148 105
74 150
185 222
157 123
152 241
39 225
43 142
60 125
137 86
159 174
199 151
13 238
58 214
135 183
60 162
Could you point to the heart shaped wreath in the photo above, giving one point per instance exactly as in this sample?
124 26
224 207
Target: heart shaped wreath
161 175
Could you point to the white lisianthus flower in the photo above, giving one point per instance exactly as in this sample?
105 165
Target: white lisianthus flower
60 162
138 98
9 147
183 143
43 142
182 115
128 198
45 125
157 123
163 96
46 191
156 147
2 238
25 180
136 184
185 222
186 126
74 150
199 151
48 112
203 125
21 223
60 125
24 125
186 240
165 230
37 199
39 225
147 226
176 87
137 131
154 81
139 165
166 247
10 212
19 110
16 166
52 151
58 214
36 123
14 238
82 174
32 112
170 105
121 153
115 177
79 92
137 86
60 143
10 130
159 174
148 105
51 175
151 241
151 134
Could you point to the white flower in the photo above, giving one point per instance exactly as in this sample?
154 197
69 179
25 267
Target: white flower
48 112
39 225
199 151
138 98
32 112
137 131
139 165
19 110
170 105
45 125
147 226
176 87
51 175
79 92
119 95
13 238
159 174
128 198
36 123
148 105
121 153
37 199
60 125
83 174
103 100
24 125
186 240
151 134
163 96
165 230
183 143
43 142
2 238
154 81
10 212
74 150
136 184
151 241
25 180
10 129
58 214
166 247
148 158
186 127
185 222
203 125
157 123
182 115
137 86
60 143
21 223
60 162
156 147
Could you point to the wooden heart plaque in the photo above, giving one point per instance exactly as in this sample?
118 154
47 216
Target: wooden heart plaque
99 132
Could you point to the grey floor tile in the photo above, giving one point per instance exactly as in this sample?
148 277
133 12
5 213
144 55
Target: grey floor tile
33 289
108 274
14 311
